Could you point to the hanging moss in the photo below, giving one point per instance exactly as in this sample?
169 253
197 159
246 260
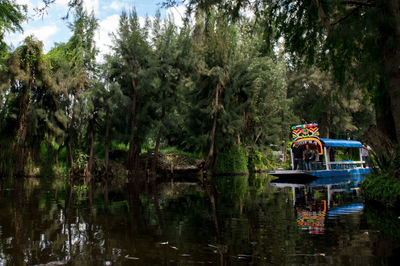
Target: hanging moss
233 161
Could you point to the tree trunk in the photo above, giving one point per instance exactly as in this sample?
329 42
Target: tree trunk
383 114
155 156
391 35
325 125
35 152
131 163
70 154
107 140
210 156
19 153
58 153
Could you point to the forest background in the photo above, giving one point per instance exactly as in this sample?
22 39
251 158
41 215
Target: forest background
227 84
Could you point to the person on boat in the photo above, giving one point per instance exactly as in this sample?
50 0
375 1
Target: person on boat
308 158
365 154
297 151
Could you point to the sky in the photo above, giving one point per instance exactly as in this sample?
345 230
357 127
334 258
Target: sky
51 28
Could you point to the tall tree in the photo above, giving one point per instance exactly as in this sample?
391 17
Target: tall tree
30 78
356 40
81 53
166 50
132 54
214 42
340 114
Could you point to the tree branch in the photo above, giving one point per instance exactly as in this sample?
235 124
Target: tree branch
358 3
346 16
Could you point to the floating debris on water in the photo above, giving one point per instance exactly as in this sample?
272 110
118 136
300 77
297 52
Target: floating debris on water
131 258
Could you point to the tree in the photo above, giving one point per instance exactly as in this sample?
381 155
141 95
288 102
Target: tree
80 52
30 80
316 98
214 42
132 56
166 62
357 40
11 17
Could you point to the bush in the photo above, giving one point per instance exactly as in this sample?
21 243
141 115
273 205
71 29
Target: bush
259 161
233 161
384 189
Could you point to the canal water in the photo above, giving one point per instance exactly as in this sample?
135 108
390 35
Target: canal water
241 220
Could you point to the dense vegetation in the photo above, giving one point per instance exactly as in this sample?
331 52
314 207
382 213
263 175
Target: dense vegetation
223 82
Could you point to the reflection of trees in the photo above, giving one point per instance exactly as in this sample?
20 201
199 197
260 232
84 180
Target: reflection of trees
226 222
257 223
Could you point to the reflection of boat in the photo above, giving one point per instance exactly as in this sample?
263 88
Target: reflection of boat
346 209
311 212
325 166
312 218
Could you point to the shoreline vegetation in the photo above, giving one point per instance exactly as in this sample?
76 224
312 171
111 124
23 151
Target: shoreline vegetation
237 161
223 88
383 184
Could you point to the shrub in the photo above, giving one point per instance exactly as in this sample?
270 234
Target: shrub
233 161
383 189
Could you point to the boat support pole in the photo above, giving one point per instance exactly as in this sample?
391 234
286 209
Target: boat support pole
291 158
326 159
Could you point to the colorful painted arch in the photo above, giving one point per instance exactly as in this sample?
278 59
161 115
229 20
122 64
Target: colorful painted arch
313 141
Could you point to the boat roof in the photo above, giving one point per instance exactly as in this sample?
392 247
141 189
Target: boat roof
341 143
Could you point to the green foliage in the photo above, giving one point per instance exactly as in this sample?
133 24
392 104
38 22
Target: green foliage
119 146
258 160
347 155
317 98
81 159
11 17
175 150
382 189
165 85
232 161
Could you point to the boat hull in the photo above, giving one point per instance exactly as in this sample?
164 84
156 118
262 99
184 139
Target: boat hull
300 175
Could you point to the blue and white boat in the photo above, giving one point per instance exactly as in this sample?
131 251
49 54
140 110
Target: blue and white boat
325 166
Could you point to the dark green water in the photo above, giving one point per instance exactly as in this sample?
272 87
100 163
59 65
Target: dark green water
232 221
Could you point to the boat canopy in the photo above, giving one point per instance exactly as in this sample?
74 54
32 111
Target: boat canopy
337 143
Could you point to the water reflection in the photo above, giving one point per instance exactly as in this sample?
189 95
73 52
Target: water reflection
227 221
323 199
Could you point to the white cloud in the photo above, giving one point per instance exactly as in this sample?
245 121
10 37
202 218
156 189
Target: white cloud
118 5
103 36
24 2
42 33
177 14
91 5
